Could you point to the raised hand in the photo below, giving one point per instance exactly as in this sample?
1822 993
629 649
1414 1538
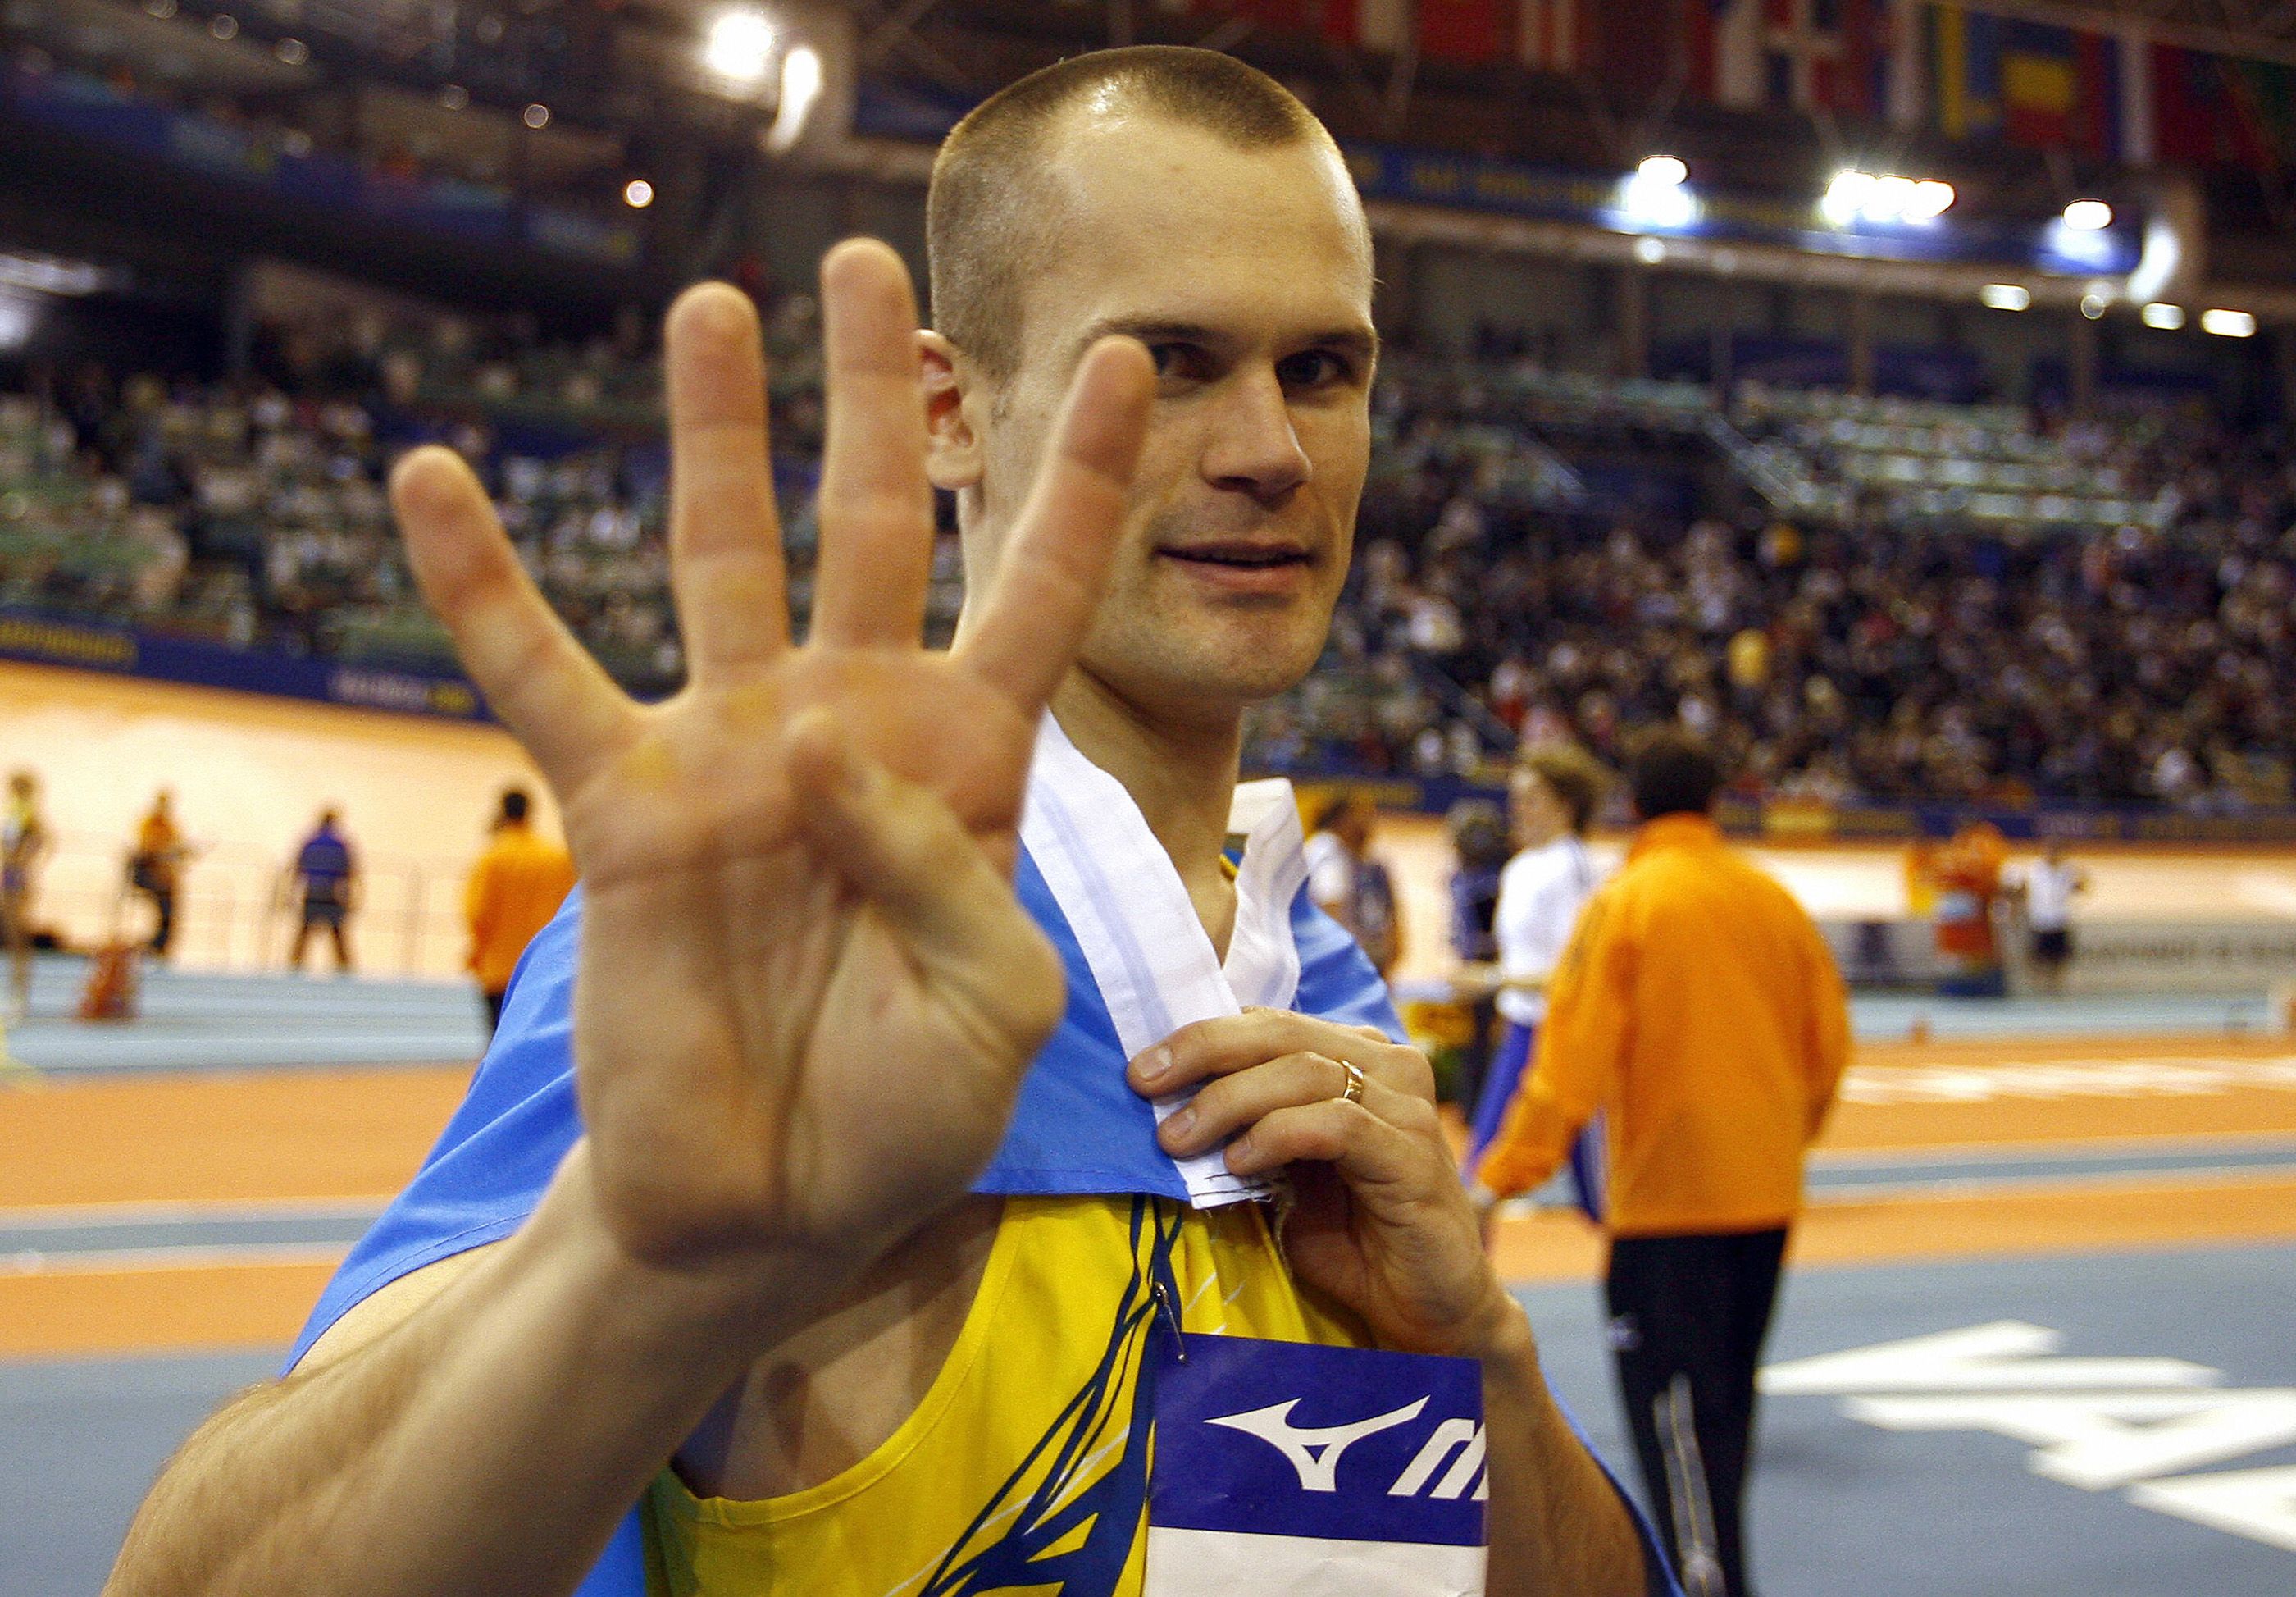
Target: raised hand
806 995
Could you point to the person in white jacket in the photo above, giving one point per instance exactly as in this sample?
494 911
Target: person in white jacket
1551 797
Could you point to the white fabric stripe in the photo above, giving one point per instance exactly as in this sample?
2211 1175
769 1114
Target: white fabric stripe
1189 1563
1155 968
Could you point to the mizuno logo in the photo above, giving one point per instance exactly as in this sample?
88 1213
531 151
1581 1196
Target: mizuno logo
1314 1453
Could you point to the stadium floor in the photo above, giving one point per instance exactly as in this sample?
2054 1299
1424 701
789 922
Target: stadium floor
2107 1182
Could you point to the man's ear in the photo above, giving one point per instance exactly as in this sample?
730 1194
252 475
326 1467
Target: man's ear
952 446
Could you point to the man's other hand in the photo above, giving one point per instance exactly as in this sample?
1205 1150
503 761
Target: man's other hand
1381 1220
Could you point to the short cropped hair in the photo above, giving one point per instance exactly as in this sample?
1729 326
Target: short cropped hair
1673 771
986 226
1574 777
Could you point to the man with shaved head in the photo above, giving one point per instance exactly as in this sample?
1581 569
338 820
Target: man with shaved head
799 1234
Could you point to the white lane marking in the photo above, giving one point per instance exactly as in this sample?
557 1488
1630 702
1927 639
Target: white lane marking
119 1261
60 1217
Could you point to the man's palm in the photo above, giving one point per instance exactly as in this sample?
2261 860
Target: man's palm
805 995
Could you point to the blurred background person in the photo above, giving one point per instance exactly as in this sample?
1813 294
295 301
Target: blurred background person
2046 888
326 879
23 840
1478 831
514 889
155 870
1552 796
1350 885
1699 1011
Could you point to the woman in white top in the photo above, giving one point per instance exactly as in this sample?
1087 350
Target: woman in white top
1551 797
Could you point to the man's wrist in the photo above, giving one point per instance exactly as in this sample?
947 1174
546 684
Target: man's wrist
1498 1335
728 1308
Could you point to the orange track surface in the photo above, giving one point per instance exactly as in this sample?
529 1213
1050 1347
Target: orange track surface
357 1134
317 1134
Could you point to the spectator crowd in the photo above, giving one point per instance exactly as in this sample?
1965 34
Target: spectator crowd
1942 639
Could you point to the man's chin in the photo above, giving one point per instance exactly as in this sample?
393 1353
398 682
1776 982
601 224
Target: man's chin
1207 682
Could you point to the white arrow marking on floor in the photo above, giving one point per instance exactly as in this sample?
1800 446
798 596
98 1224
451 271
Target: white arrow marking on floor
2005 1355
2100 1440
2259 1504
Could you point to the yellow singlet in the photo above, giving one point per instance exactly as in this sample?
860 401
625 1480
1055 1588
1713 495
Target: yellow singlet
1022 1470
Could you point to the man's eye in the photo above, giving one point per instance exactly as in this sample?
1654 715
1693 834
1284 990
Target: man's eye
1312 368
1177 360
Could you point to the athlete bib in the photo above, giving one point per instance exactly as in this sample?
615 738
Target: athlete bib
1296 1469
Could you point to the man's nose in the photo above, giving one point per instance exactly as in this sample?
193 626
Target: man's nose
1252 447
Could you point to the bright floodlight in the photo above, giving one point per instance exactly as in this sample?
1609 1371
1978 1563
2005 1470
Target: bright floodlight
2165 316
637 193
741 46
801 80
2229 324
1930 199
1654 194
2006 296
2089 216
1650 251
1846 197
1854 196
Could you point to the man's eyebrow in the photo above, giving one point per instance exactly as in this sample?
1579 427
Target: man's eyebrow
1361 342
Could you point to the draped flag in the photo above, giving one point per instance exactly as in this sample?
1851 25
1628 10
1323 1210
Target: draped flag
2030 83
2213 110
1831 55
1548 35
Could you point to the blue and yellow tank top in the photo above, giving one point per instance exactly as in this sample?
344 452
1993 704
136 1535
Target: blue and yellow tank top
1023 1469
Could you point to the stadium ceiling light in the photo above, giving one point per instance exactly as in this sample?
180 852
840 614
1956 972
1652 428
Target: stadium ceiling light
2089 216
801 80
292 53
1854 196
1650 251
2165 316
2094 306
637 193
2006 296
224 26
2229 324
1932 198
1655 195
536 116
48 273
740 47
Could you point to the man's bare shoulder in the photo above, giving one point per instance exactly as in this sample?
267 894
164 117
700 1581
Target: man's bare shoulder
388 1307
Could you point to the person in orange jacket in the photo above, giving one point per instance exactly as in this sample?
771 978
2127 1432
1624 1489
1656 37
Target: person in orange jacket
514 889
1699 1013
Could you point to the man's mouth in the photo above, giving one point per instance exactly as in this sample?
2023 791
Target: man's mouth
1239 556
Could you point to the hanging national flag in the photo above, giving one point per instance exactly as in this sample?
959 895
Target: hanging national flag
1467 31
2040 81
1966 72
1796 54
1546 35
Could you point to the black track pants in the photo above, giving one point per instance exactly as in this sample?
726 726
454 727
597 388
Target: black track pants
1688 1315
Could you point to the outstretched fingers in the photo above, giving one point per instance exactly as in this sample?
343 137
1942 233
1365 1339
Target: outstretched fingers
876 504
1050 580
724 540
554 698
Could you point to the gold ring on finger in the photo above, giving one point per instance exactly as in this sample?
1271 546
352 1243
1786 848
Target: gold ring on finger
1353 1092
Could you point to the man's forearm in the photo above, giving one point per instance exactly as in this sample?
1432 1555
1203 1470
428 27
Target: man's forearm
1556 1522
488 1445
